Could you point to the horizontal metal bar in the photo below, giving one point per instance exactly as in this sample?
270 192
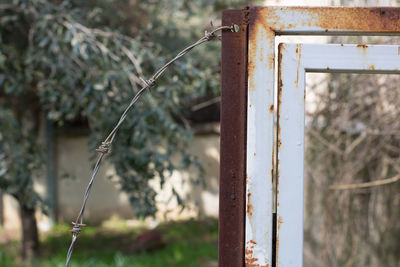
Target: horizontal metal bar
329 20
346 57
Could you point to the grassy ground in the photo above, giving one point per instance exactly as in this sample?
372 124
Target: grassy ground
187 243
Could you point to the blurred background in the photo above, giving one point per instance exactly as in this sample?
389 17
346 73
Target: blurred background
69 68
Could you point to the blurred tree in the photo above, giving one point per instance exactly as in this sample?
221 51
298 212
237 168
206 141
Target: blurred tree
353 137
62 60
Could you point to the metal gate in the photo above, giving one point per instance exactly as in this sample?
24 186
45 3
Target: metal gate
294 61
252 232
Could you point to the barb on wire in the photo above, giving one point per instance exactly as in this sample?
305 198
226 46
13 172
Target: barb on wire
105 146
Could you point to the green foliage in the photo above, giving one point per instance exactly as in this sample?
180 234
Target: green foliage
20 156
64 60
188 243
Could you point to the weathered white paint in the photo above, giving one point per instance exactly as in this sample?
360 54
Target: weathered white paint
260 125
296 60
265 26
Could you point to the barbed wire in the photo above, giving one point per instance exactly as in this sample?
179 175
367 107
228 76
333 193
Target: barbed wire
105 146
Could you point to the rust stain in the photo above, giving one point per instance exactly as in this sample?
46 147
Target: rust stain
279 130
246 15
249 208
280 82
260 39
328 19
280 221
272 167
272 173
280 86
252 56
298 52
250 264
272 61
252 242
277 250
357 19
271 108
363 47
254 154
327 68
249 253
372 67
250 260
277 181
250 70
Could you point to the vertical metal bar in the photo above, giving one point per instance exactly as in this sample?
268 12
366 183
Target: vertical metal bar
291 76
260 145
233 141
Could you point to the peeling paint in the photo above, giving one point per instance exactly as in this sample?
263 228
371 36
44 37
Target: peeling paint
250 260
249 208
280 221
298 53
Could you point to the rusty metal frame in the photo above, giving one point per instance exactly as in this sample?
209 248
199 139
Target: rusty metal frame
247 173
264 24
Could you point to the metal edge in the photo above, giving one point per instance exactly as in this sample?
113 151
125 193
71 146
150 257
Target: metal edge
231 243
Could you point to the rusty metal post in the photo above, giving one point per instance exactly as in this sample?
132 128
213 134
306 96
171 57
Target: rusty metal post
233 141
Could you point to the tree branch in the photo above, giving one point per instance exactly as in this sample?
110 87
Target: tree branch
366 185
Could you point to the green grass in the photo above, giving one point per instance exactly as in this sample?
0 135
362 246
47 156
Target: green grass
187 244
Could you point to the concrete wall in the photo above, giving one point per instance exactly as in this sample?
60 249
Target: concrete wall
106 199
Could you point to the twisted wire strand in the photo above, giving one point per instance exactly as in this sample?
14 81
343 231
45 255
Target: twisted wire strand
105 146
